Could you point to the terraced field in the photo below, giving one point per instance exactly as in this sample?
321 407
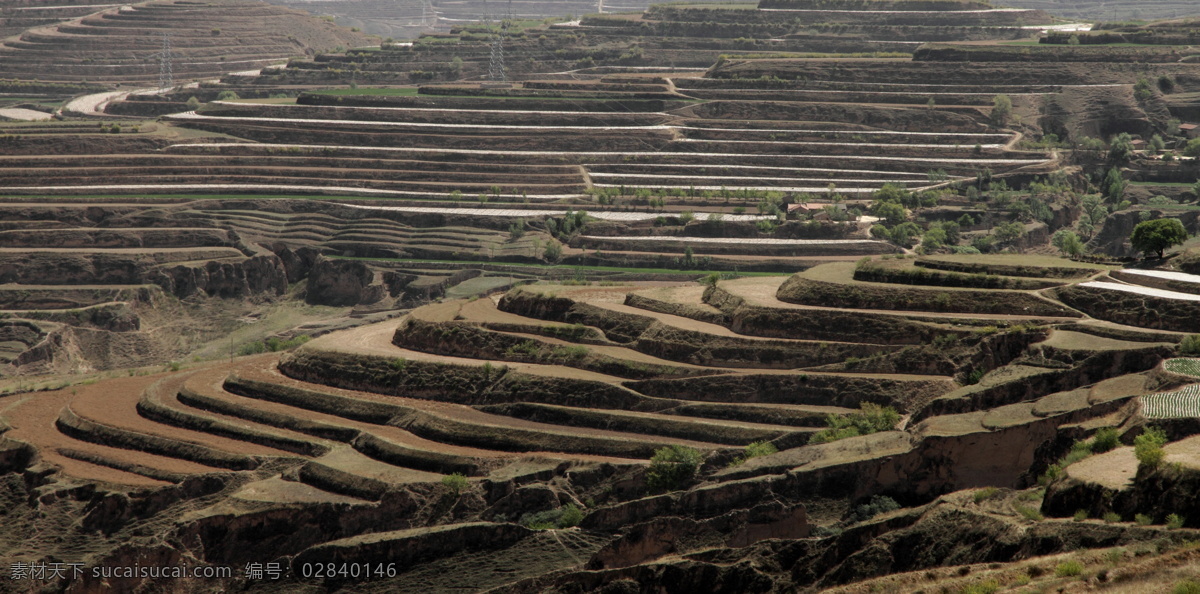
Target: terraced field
555 395
114 43
706 298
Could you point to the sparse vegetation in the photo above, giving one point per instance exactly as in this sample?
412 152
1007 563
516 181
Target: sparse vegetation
567 516
879 504
272 345
1148 448
457 483
985 493
871 418
1029 512
1190 346
672 467
754 450
1069 569
1106 439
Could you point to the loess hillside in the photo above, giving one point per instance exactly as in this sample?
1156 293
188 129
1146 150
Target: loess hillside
118 43
808 295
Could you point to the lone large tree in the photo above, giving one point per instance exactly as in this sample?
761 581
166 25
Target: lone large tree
1001 110
1157 235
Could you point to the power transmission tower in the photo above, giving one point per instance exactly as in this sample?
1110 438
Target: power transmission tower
496 70
428 14
166 72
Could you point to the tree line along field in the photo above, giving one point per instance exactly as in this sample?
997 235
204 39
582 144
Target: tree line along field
721 298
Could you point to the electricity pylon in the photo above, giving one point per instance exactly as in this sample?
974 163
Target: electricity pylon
496 70
166 69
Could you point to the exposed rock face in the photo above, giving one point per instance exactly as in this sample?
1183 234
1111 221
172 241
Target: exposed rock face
261 274
117 238
298 262
1155 493
740 528
342 283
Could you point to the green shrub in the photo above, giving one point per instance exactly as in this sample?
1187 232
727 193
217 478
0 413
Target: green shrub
1029 512
672 466
754 450
760 449
1069 569
985 493
1190 345
986 587
1051 474
1186 587
1079 450
879 504
571 516
1148 447
1174 521
871 418
457 482
1081 515
227 96
567 516
973 377
1106 439
1112 517
553 251
1143 520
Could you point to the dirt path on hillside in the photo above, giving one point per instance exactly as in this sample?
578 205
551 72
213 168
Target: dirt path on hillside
94 104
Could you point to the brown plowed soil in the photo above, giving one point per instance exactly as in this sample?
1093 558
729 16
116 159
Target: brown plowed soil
209 384
468 414
118 408
32 418
761 291
376 339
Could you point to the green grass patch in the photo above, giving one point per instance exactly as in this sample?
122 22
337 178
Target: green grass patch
1029 512
985 493
1069 569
